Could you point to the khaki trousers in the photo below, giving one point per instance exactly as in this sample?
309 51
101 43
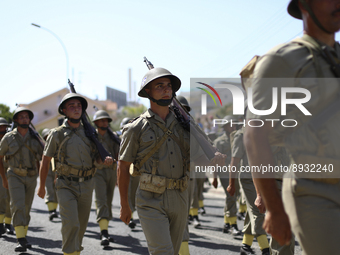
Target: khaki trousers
104 185
313 209
51 195
230 208
254 219
163 218
191 189
21 190
75 200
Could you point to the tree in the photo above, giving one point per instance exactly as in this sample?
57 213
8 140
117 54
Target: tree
5 113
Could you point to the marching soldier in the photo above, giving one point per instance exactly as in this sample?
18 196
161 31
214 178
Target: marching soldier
5 210
74 154
311 200
159 148
106 176
51 196
133 185
222 143
22 153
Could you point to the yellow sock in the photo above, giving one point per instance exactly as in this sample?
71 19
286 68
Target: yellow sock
20 231
26 229
103 224
232 220
184 250
248 239
263 241
52 206
2 217
200 203
8 220
193 211
131 215
226 219
73 253
243 208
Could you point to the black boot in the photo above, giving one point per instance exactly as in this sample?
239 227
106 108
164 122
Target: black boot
2 229
246 250
226 228
104 238
234 230
21 247
132 224
9 229
53 214
265 251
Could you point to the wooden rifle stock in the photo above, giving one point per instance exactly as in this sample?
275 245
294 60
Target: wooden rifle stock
90 132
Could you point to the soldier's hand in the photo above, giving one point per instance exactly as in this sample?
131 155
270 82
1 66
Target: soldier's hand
219 159
5 183
231 189
41 192
125 214
215 183
108 161
277 224
260 204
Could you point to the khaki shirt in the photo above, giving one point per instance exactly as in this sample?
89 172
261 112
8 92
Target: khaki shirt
12 144
292 65
110 146
79 150
139 138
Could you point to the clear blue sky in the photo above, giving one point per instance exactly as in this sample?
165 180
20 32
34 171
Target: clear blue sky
106 37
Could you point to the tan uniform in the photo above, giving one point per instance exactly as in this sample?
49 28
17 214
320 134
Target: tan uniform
22 153
313 205
163 215
222 143
51 195
254 219
105 180
74 193
5 208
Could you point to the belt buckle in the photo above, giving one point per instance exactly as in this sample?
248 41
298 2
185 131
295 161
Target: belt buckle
81 179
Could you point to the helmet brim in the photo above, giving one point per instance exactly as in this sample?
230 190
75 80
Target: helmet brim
175 82
294 10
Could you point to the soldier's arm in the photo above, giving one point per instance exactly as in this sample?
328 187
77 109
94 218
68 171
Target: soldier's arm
259 153
232 176
123 177
43 172
2 173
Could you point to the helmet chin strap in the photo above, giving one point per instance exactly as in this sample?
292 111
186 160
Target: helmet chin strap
75 121
104 128
162 102
314 18
25 126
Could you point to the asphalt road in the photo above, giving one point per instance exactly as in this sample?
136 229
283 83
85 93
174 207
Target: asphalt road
45 235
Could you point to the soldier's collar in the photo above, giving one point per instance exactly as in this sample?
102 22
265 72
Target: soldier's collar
150 114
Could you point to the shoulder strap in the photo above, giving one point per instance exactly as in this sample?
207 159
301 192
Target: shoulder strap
158 145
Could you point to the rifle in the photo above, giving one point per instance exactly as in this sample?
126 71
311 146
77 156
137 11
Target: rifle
90 132
189 124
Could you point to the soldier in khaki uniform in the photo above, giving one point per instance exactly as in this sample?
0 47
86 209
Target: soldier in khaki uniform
106 177
51 195
222 143
254 218
22 153
311 200
74 155
159 148
5 211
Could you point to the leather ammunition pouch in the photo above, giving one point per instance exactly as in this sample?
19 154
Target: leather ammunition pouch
25 172
63 169
158 184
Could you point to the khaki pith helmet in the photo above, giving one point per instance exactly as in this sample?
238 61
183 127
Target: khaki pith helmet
45 132
156 73
23 109
184 102
294 10
101 114
124 122
69 96
3 122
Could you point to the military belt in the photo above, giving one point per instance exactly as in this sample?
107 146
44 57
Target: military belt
75 179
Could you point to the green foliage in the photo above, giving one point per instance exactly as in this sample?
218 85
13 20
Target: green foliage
224 111
5 113
128 111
